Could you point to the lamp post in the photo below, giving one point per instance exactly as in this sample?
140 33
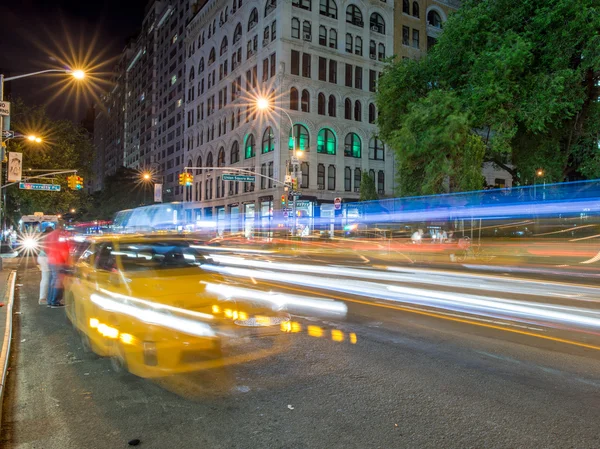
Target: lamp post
264 104
77 74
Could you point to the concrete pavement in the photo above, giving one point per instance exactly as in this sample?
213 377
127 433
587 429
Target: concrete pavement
410 381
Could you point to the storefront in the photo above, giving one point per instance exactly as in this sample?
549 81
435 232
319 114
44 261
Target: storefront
234 218
249 217
266 217
221 221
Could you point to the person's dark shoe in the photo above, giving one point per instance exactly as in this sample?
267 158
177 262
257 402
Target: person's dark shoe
57 306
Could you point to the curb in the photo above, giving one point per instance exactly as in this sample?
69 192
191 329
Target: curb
10 296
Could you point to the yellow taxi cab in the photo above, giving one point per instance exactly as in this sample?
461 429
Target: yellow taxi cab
143 301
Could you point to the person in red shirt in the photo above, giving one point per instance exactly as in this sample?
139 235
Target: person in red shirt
58 249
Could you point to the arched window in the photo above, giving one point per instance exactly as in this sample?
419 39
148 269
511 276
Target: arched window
218 195
354 15
377 23
332 38
352 146
237 34
321 104
235 152
380 52
192 74
322 35
305 175
416 10
234 7
301 138
199 164
305 101
372 49
199 41
348 109
331 177
253 19
268 140
250 146
294 99
221 158
357 111
223 46
372 113
201 66
376 149
380 182
349 43
331 106
209 160
326 141
295 28
270 6
358 45
405 6
434 19
348 179
321 177
328 8
306 30
357 179
211 56
198 191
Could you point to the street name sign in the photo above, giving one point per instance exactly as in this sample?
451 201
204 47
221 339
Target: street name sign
243 178
43 187
4 108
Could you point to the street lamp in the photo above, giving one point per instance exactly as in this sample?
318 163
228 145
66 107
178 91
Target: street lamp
35 139
538 174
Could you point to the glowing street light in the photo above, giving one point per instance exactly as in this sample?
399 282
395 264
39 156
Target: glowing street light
146 176
262 104
78 74
72 211
33 138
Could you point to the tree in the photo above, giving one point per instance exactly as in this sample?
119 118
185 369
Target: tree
368 192
66 146
525 75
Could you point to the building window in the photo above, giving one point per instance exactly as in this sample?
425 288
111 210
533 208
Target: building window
295 62
358 46
331 106
331 177
347 179
322 35
305 101
332 38
377 23
348 75
270 7
223 46
372 113
300 138
415 10
295 28
358 72
303 4
372 49
328 8
348 109
322 69
357 179
321 104
294 99
270 174
431 41
253 19
263 172
250 150
405 6
306 59
415 38
381 50
326 142
237 34
380 182
306 30
372 80
321 177
352 146
354 15
348 43
199 164
273 64
333 71
405 35
221 158
304 168
235 152
211 56
357 111
268 140
376 149
434 19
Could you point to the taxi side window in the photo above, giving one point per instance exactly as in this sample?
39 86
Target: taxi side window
105 259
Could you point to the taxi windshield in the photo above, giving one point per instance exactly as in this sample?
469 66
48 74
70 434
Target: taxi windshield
158 255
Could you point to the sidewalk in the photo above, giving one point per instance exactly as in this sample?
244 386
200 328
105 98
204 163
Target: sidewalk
7 284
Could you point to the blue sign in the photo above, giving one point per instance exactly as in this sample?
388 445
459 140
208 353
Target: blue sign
43 187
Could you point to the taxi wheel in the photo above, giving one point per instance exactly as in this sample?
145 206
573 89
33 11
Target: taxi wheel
118 361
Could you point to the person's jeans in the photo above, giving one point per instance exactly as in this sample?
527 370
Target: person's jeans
55 273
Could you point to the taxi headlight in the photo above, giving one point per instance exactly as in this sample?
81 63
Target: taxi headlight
29 243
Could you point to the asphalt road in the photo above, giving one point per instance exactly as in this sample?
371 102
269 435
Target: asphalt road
412 380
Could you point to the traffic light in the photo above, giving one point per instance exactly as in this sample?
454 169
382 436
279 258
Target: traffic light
283 200
78 182
72 182
295 184
189 179
182 179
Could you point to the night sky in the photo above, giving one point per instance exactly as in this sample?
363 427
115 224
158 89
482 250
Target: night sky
32 30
